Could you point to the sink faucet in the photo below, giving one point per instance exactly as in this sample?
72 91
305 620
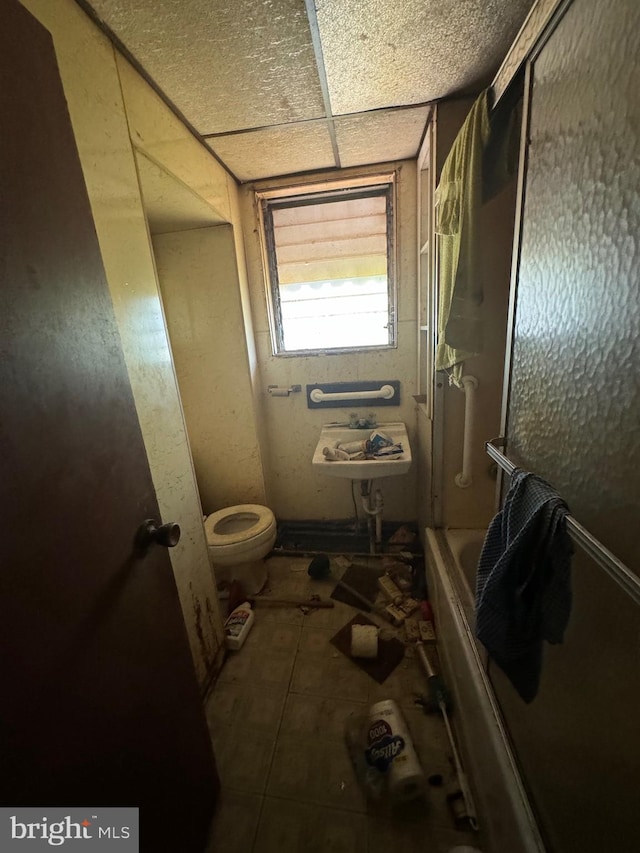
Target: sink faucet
358 422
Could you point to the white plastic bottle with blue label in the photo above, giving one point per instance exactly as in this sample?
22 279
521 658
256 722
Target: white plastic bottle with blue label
238 625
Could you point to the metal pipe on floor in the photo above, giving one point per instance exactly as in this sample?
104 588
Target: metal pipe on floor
463 782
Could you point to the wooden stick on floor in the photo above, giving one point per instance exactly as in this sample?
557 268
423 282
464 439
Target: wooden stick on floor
293 602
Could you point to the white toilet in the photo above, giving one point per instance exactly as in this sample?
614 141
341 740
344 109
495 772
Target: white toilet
239 537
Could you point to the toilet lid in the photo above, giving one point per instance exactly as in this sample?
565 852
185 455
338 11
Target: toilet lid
237 523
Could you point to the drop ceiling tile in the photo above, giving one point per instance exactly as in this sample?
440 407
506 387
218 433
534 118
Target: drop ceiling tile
379 53
225 65
380 137
275 151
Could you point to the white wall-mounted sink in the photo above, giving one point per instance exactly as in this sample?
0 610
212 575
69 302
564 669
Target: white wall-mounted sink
362 469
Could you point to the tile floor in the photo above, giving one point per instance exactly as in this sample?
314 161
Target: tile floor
277 717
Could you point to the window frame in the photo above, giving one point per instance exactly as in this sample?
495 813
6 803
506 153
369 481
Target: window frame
299 195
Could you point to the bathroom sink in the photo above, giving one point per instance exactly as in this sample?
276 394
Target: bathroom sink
362 469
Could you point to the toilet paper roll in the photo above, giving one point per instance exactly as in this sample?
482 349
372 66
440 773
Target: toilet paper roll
364 641
279 392
391 750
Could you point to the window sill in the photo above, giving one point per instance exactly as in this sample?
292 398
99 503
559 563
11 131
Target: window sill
346 351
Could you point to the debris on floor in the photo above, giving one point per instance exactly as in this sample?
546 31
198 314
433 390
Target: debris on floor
392 592
460 798
390 650
399 569
342 562
319 567
404 537
427 631
411 630
238 625
357 587
314 601
387 590
364 641
279 709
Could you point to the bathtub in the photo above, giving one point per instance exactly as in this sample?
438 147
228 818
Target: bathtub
505 815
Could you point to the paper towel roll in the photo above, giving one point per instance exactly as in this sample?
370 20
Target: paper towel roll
364 641
390 749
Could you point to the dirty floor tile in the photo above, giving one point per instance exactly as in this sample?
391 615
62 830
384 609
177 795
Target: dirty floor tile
239 705
315 640
330 675
314 717
404 685
257 668
265 636
243 758
314 771
235 823
332 618
414 836
271 615
302 828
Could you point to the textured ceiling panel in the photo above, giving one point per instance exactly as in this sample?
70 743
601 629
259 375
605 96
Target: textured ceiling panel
225 65
380 137
379 53
275 151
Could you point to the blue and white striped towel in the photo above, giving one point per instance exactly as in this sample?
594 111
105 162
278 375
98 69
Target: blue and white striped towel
523 587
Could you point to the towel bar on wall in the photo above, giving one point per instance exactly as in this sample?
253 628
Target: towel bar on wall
614 567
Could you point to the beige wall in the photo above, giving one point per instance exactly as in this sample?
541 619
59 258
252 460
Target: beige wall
108 101
291 430
198 275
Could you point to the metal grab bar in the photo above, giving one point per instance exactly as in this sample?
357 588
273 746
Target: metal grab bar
387 392
614 567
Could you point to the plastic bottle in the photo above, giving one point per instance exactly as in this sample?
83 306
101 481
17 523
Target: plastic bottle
238 625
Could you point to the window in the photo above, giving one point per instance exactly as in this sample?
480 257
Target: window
329 254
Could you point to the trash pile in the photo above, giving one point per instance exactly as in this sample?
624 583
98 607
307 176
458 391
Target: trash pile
396 586
378 445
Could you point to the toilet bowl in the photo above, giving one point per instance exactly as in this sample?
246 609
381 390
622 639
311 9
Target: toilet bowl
239 537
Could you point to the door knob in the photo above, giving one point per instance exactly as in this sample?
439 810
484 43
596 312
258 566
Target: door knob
150 533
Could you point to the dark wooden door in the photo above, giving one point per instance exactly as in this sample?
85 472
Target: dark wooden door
98 698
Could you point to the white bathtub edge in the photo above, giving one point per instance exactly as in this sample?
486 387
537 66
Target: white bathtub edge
513 826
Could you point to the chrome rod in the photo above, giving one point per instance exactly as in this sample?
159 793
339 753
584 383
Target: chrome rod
614 567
